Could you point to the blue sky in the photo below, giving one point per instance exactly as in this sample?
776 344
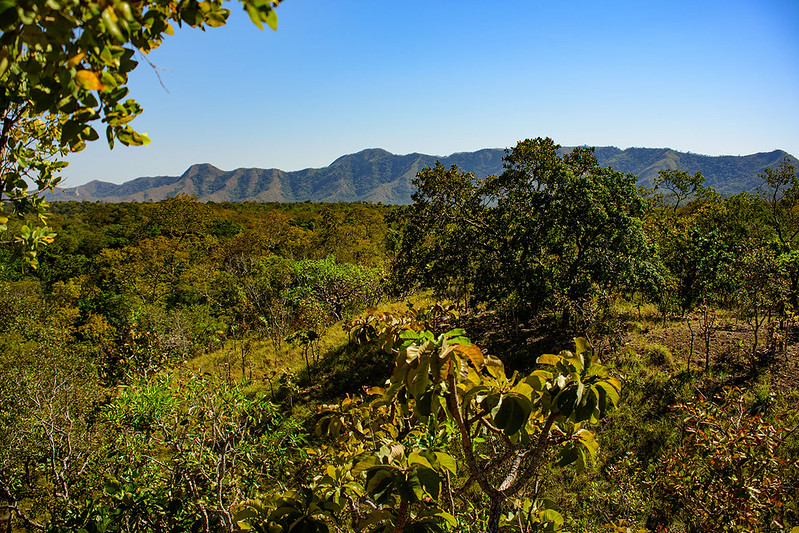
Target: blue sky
447 76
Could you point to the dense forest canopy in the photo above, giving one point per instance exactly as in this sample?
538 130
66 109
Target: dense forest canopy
179 366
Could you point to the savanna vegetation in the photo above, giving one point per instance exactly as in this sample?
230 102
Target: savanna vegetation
550 349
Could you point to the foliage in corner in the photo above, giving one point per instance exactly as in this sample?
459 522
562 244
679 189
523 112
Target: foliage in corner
64 66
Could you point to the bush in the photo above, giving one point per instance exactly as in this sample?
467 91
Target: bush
729 472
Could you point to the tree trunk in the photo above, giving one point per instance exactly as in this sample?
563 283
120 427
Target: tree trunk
494 514
402 517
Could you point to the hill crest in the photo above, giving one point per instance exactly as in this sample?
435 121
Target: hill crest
376 175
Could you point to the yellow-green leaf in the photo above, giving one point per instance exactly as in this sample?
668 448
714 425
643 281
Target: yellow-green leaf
414 458
88 80
548 359
582 345
271 19
255 16
447 462
588 440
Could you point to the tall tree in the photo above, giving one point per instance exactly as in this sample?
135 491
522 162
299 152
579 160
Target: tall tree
551 231
781 191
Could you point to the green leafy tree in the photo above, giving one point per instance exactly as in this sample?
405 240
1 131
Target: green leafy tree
759 290
574 226
551 232
448 422
48 392
680 184
189 450
335 288
781 192
64 66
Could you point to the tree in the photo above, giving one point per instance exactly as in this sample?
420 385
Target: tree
680 184
449 211
196 440
64 65
570 220
781 192
451 422
552 231
328 288
48 391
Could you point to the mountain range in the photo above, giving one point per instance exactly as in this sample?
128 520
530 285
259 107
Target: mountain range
375 175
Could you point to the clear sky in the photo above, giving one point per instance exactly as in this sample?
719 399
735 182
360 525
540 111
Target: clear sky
444 76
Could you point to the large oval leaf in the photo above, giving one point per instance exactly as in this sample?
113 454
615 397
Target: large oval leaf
513 413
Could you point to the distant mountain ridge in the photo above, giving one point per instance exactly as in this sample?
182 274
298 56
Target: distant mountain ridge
375 175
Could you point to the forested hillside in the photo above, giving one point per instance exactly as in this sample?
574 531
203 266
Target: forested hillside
548 349
378 176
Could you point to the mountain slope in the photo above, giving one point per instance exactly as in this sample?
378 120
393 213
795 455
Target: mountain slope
375 175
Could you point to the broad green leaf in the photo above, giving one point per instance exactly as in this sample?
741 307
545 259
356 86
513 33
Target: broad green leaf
379 481
408 334
422 376
551 516
364 464
609 393
576 363
568 455
414 458
582 345
451 520
447 462
566 400
588 440
271 19
523 388
255 15
496 368
587 407
537 379
430 480
243 515
513 413
410 488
